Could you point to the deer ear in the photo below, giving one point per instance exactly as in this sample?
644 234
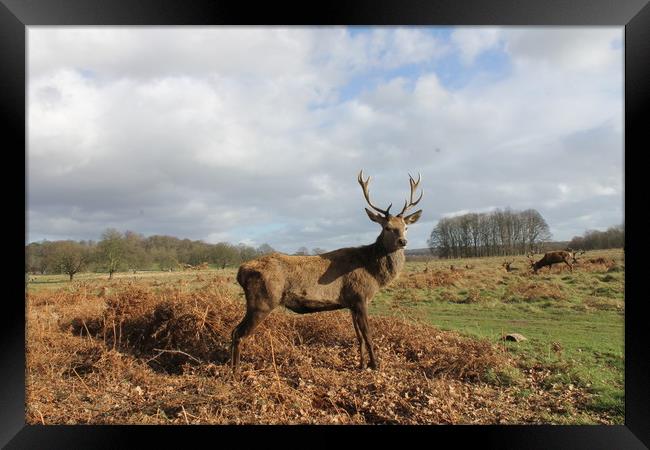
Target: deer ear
376 217
413 217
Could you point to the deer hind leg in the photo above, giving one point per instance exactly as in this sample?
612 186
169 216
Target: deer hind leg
259 303
568 264
250 321
355 319
364 328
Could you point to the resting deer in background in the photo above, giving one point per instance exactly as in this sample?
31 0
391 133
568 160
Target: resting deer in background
507 265
551 258
343 278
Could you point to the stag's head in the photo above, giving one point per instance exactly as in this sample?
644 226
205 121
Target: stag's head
393 234
531 260
575 254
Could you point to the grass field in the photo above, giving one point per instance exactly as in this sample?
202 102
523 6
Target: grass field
152 347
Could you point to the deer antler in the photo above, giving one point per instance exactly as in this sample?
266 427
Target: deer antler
364 186
409 204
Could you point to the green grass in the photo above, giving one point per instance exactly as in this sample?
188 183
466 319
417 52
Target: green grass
39 283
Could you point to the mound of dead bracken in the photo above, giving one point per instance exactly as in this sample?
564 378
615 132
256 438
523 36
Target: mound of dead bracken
429 278
599 265
169 332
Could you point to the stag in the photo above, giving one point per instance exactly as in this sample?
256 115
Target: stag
343 278
551 258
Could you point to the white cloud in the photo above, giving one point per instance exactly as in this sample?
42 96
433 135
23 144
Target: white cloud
456 213
568 49
472 41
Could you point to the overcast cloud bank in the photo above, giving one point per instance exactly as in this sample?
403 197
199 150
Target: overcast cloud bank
256 135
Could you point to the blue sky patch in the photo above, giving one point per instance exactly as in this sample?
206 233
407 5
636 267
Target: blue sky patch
489 66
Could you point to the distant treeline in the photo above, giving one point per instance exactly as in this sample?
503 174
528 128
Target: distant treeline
500 232
117 251
614 237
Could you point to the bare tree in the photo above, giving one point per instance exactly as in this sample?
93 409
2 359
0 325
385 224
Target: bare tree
112 249
224 254
344 278
246 253
265 249
135 255
70 257
39 257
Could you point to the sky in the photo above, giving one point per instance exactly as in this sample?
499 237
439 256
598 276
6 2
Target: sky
256 134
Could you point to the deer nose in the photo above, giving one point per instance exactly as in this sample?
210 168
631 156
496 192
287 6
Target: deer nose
402 242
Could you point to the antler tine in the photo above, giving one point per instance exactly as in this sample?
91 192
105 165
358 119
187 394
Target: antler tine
409 203
366 194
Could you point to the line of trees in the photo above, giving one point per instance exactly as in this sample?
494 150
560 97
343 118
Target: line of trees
500 232
304 251
613 237
117 251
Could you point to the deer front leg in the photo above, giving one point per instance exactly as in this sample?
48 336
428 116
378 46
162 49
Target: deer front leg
570 266
364 328
355 320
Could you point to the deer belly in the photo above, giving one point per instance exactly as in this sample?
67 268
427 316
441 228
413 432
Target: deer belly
304 305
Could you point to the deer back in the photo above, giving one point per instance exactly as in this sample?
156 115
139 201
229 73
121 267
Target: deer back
334 276
553 258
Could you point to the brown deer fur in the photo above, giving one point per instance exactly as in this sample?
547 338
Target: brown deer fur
551 258
343 278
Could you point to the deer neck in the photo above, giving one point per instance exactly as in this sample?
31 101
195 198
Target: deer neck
387 264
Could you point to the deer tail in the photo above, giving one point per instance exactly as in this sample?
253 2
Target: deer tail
241 275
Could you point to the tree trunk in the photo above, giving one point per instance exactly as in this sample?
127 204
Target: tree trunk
71 275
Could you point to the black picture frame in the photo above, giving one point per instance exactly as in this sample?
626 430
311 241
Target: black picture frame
634 15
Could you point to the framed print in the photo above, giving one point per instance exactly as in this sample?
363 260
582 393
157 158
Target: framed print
200 179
